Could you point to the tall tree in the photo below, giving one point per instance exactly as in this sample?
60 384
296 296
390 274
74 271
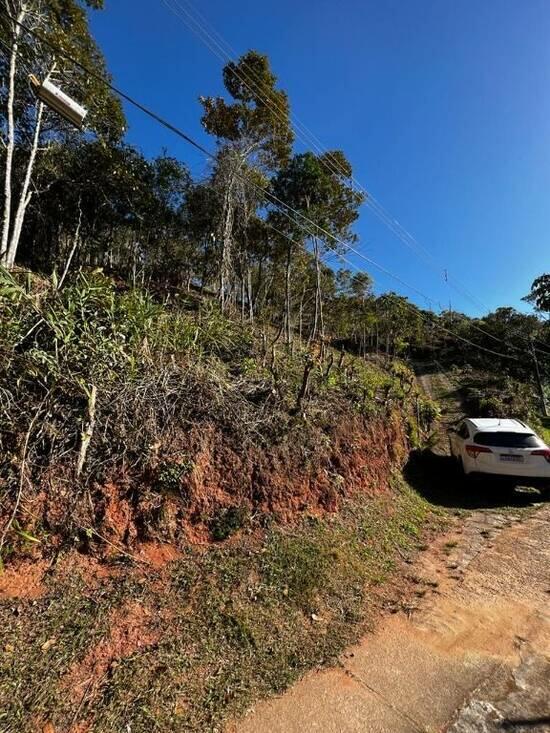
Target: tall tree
27 126
326 205
540 293
254 135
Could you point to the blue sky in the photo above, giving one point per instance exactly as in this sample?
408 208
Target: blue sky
443 109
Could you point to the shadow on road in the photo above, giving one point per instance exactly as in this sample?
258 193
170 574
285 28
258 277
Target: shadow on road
526 723
437 478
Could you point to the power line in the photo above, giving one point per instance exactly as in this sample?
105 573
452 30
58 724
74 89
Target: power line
188 139
328 160
417 311
103 80
410 306
302 132
438 326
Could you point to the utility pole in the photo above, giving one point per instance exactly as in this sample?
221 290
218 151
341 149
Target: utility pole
539 381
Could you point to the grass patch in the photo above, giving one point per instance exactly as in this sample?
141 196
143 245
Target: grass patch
545 432
449 547
236 623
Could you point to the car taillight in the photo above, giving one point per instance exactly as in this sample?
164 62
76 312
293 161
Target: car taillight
542 452
475 450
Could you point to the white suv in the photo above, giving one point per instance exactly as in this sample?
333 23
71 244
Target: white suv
500 448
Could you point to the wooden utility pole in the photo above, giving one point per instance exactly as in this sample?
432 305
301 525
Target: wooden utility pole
539 380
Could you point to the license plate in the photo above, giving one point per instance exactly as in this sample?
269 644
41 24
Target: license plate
512 459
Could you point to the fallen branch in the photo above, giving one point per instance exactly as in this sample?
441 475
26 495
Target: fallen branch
88 431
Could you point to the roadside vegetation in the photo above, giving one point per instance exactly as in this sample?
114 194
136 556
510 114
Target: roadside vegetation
89 200
128 419
193 515
485 393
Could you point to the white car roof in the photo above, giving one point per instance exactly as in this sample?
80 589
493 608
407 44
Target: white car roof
495 424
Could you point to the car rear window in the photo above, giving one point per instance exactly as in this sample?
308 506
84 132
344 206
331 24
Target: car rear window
507 440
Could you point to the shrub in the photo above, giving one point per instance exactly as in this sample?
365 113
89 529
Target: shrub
228 521
157 373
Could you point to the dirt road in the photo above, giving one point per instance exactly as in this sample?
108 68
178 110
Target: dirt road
473 657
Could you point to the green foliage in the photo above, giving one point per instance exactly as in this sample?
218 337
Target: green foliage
310 185
540 293
488 396
170 474
428 412
258 119
413 434
228 521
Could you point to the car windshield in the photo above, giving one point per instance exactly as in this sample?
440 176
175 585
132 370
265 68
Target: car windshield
507 440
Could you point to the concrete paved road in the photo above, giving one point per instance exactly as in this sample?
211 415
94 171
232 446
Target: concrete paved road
474 657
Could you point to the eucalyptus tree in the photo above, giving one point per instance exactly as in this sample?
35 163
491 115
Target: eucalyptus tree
202 204
171 252
400 322
101 190
254 137
324 206
352 314
39 37
108 205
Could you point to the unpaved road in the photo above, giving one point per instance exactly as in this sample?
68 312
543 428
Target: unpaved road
474 657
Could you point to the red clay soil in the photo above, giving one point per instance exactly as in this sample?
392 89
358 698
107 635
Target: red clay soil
156 554
117 522
92 571
23 579
353 456
131 628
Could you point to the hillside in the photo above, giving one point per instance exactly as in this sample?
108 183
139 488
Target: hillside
169 420
183 494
